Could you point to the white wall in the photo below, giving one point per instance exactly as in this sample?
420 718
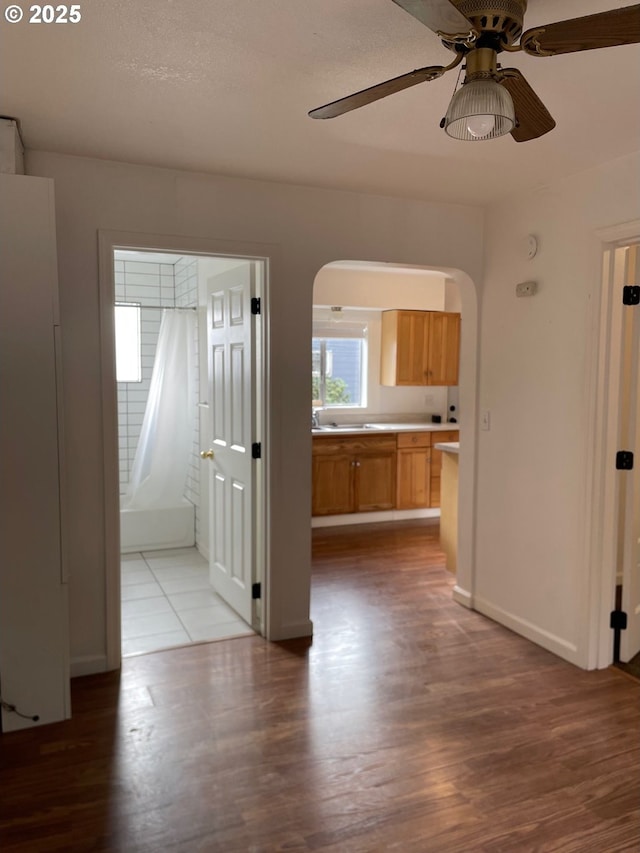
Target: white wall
366 286
302 230
536 366
34 647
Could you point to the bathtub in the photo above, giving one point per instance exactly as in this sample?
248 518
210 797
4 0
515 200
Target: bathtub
155 529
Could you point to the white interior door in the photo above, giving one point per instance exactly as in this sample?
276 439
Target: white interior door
630 638
231 363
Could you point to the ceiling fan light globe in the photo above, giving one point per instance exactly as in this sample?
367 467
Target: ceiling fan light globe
479 110
481 126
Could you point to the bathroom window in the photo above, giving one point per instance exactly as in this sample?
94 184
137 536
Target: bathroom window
128 348
339 354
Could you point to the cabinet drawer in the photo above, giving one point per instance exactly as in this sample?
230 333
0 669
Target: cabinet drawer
353 444
414 439
443 435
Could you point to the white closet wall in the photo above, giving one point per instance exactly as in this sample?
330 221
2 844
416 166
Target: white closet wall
34 644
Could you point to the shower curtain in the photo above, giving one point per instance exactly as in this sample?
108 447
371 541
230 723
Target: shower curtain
160 466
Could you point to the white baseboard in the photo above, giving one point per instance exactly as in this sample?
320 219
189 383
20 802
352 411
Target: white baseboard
559 646
463 597
372 517
88 665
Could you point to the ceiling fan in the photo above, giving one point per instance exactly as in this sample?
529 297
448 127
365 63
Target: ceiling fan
492 100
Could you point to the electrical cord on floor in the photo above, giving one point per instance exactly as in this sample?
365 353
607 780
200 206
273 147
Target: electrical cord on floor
12 709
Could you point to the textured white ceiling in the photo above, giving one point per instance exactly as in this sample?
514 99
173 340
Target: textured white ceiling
224 86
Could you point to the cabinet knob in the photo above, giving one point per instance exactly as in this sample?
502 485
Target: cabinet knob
206 454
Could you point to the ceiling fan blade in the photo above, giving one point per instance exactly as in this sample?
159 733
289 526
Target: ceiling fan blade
533 117
606 29
441 16
381 90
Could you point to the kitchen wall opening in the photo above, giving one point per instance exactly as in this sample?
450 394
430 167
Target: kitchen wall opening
385 407
167 598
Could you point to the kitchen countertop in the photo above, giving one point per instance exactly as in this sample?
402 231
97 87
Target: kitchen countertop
448 446
375 428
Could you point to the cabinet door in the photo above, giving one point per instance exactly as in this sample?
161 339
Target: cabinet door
404 349
375 481
413 347
436 463
414 476
332 484
443 348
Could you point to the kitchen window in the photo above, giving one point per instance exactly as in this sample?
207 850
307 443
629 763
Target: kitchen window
338 371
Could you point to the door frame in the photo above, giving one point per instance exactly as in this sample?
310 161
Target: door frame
602 531
266 254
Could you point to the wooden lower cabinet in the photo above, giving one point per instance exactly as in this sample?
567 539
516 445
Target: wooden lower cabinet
353 475
375 481
332 484
414 470
419 467
368 473
413 478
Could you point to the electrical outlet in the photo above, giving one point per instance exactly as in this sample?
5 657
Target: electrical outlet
485 420
428 399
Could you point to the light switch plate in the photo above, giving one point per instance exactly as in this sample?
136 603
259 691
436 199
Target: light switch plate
526 288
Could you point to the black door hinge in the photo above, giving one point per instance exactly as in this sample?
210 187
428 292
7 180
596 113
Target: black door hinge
624 460
618 620
256 450
255 304
631 294
256 590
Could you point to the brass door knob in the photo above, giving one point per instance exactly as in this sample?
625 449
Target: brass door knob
207 454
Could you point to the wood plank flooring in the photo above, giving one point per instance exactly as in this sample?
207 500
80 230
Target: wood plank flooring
409 724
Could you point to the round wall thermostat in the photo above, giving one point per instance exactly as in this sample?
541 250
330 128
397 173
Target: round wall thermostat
532 246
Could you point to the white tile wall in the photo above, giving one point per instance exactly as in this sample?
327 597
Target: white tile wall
168 285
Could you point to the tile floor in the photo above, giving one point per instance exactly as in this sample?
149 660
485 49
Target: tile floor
167 601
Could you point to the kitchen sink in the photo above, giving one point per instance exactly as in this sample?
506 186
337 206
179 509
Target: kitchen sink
345 427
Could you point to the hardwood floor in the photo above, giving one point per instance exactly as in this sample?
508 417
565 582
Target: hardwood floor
410 724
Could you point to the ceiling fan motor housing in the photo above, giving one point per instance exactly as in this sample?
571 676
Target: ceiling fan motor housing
499 22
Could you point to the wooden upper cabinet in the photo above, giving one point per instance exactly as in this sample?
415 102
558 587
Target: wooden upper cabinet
405 347
444 348
420 348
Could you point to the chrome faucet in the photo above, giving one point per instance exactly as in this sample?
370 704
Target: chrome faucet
315 419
